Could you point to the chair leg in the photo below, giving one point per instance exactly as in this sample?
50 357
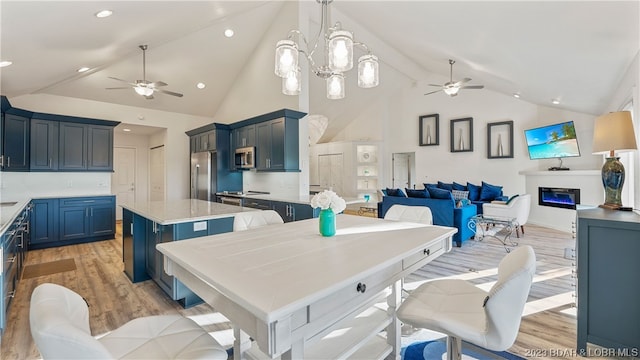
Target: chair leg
522 228
454 348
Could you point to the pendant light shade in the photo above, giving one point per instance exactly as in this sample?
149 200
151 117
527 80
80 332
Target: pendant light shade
341 50
143 90
286 57
335 87
368 71
291 84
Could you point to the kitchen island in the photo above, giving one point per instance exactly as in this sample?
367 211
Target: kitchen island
146 224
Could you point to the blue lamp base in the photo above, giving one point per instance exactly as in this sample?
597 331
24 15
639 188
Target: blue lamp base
612 180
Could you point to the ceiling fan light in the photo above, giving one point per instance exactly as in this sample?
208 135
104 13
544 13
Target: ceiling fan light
341 50
143 90
368 71
451 90
335 87
286 57
291 84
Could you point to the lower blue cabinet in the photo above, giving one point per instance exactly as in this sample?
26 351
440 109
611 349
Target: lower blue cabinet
66 221
141 252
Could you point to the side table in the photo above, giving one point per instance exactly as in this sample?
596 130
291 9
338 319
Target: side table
483 222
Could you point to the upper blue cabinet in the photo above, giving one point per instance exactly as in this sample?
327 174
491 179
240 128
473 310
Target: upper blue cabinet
46 142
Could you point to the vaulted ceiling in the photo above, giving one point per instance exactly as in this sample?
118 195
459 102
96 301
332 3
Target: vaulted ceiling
574 51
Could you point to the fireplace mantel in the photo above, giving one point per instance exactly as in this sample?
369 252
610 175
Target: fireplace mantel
591 193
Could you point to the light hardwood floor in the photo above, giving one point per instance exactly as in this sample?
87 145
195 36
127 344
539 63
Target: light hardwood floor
549 322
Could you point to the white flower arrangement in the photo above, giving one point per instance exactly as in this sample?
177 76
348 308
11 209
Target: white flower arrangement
328 200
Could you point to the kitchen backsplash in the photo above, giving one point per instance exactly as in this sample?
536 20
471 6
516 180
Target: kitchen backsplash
32 184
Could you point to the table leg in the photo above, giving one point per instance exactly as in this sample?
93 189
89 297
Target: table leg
393 329
241 344
296 351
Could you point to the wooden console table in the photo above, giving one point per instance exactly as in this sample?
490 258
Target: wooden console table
287 287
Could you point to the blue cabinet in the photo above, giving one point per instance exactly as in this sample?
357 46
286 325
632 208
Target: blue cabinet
13 243
44 222
15 151
134 252
277 145
99 148
65 221
44 145
147 234
293 211
73 146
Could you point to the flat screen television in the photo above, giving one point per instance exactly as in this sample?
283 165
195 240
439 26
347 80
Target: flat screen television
552 141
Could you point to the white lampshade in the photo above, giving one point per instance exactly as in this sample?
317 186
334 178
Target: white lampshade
368 71
335 87
614 132
451 90
143 90
291 84
341 50
286 57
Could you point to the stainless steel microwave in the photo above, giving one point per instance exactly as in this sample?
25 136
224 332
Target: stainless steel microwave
245 158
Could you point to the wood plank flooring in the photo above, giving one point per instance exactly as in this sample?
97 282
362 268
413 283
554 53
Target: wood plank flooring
549 321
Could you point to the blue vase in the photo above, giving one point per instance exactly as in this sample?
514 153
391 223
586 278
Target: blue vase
327 220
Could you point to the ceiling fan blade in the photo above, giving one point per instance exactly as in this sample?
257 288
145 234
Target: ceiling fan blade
433 92
473 87
158 83
465 80
169 92
117 88
435 85
125 81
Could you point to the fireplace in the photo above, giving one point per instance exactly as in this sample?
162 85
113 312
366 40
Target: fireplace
558 197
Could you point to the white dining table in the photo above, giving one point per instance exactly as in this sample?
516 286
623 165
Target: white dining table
288 288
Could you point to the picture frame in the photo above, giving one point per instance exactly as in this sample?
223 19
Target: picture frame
461 134
429 130
500 140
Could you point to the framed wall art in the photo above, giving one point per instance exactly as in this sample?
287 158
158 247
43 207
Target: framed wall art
462 135
429 130
500 140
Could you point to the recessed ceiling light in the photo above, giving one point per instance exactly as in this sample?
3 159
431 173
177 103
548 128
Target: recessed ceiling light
104 13
201 85
83 69
228 33
516 95
126 130
555 101
5 63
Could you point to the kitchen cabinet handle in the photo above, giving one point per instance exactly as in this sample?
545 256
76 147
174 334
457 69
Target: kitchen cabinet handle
427 252
11 294
8 161
21 235
91 211
361 287
50 162
13 259
1 160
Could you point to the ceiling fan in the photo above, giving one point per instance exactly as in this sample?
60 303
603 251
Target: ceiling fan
145 87
451 88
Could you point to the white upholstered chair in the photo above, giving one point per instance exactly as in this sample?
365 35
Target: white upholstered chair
517 208
59 320
417 214
463 311
252 219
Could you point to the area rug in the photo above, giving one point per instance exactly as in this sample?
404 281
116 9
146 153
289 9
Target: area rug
48 268
436 349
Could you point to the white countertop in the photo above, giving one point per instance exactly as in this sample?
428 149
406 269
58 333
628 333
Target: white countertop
185 210
291 198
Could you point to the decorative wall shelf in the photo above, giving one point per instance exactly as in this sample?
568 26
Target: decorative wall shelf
429 130
462 135
500 140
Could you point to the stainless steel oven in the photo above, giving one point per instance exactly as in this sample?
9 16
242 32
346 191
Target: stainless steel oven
237 201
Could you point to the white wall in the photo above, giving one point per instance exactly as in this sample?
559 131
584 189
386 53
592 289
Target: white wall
175 140
17 185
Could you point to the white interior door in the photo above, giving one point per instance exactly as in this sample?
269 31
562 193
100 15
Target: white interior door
400 171
123 179
156 174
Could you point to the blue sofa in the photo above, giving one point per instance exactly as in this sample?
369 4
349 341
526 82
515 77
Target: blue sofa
444 213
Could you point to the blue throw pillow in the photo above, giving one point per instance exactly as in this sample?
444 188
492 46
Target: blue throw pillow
460 187
413 193
445 186
395 192
490 192
437 193
427 185
474 191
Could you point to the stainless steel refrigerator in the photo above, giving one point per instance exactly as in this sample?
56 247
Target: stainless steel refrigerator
203 175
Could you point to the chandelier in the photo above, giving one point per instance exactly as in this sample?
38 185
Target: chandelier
337 58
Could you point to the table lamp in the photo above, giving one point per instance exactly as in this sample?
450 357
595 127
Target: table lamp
613 132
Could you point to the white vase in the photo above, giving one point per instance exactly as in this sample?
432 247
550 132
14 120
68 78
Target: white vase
500 150
461 144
